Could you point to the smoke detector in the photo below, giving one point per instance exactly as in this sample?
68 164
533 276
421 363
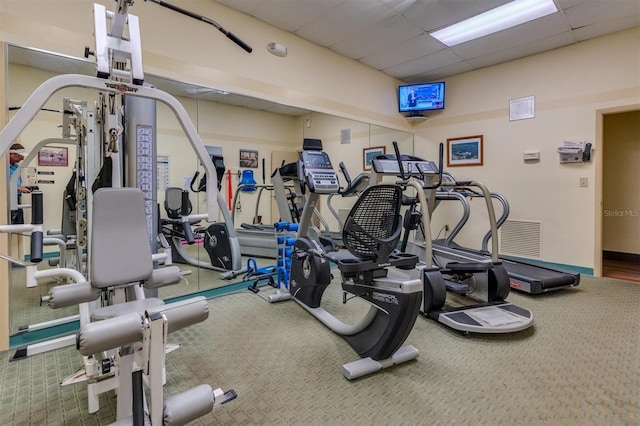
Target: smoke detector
277 49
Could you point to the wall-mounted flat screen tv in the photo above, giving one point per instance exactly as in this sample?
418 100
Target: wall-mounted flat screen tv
415 98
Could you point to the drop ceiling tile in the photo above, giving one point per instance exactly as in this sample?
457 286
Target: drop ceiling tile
290 15
344 20
526 49
601 28
430 62
392 31
440 73
406 51
598 11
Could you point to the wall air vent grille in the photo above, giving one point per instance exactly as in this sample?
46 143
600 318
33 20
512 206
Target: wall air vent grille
521 238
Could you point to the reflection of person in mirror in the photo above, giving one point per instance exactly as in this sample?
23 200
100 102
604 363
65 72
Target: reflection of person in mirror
412 99
16 155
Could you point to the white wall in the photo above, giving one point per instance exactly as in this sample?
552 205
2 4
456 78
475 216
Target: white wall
571 85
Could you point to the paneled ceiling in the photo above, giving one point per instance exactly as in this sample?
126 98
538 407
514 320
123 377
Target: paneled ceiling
393 35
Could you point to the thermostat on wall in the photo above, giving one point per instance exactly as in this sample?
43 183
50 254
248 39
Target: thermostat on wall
531 155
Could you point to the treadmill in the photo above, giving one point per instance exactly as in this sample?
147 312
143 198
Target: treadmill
523 276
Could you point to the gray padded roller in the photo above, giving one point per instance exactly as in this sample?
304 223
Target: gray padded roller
188 405
164 276
184 313
72 294
112 333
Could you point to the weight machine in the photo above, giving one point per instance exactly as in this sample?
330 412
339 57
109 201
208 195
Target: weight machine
484 282
120 82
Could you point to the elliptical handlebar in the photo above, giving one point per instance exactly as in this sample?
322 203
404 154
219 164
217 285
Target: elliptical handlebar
347 177
193 180
440 167
405 176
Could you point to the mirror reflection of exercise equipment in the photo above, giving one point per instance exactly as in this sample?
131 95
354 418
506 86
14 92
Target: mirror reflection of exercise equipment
219 239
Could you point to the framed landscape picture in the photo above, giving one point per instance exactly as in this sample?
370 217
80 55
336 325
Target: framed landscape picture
368 154
465 151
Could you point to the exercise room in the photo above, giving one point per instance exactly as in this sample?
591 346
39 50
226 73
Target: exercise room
328 212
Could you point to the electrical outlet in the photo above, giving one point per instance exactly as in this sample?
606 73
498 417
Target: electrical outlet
446 228
584 182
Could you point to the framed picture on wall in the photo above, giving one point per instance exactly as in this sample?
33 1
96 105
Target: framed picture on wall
53 156
368 154
248 159
466 151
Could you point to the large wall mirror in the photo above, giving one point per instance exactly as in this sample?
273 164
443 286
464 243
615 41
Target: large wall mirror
254 137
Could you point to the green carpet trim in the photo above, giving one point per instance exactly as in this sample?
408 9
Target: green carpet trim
30 337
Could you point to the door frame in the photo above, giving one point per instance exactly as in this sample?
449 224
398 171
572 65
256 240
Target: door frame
599 174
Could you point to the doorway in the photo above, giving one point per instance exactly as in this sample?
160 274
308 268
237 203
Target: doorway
621 195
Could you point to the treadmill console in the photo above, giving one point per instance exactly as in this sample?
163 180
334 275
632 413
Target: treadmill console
388 165
318 172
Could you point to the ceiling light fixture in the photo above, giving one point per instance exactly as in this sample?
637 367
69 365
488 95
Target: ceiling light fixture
506 16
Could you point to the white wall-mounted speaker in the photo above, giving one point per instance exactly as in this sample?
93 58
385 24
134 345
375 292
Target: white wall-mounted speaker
277 49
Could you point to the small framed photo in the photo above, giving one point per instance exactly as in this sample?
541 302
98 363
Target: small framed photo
248 159
466 151
368 154
53 156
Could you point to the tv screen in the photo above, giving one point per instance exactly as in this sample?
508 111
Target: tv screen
421 97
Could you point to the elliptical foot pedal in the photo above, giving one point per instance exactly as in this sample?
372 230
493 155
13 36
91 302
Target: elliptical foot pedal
456 287
229 395
470 267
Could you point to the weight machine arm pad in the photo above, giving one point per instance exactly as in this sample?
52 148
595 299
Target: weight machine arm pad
189 405
125 329
184 313
103 335
164 276
72 294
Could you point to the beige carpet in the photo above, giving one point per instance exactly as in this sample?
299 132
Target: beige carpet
578 365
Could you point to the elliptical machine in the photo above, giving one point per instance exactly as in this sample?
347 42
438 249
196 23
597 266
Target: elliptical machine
370 234
485 282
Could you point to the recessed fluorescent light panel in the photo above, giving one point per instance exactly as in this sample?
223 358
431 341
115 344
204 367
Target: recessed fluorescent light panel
506 16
